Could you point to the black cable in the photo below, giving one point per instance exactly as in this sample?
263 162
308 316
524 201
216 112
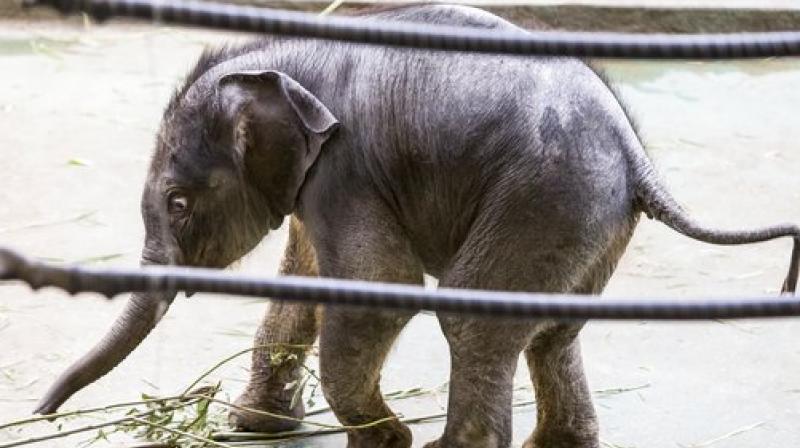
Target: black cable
350 29
387 296
344 292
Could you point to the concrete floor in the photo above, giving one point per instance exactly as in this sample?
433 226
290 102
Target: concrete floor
78 110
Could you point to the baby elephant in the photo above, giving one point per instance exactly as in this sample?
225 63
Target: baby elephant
488 172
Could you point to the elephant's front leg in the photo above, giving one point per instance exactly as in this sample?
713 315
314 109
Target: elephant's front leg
282 340
353 346
366 244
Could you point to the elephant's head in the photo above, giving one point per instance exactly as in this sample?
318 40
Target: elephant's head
229 164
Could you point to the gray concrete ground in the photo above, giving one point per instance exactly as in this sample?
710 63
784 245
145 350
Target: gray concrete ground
78 110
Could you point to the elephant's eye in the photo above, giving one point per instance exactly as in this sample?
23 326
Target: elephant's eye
177 204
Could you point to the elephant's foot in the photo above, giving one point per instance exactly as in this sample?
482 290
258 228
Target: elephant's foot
279 406
442 443
392 434
563 439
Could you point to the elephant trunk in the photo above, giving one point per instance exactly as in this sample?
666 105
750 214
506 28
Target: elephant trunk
140 316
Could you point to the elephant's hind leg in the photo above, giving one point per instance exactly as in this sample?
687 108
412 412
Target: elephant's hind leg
518 250
282 340
484 352
565 415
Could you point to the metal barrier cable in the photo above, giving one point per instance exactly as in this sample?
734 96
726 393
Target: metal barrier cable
392 296
387 296
357 30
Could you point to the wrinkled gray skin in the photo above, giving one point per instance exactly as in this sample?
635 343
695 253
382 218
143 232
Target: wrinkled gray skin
485 172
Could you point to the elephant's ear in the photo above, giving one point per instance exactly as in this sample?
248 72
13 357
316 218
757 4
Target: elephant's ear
280 128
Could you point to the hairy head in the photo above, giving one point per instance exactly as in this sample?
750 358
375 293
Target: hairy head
231 155
198 207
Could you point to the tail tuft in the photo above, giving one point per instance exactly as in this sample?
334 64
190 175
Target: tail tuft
790 285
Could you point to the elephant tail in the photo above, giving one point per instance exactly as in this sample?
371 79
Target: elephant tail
656 202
